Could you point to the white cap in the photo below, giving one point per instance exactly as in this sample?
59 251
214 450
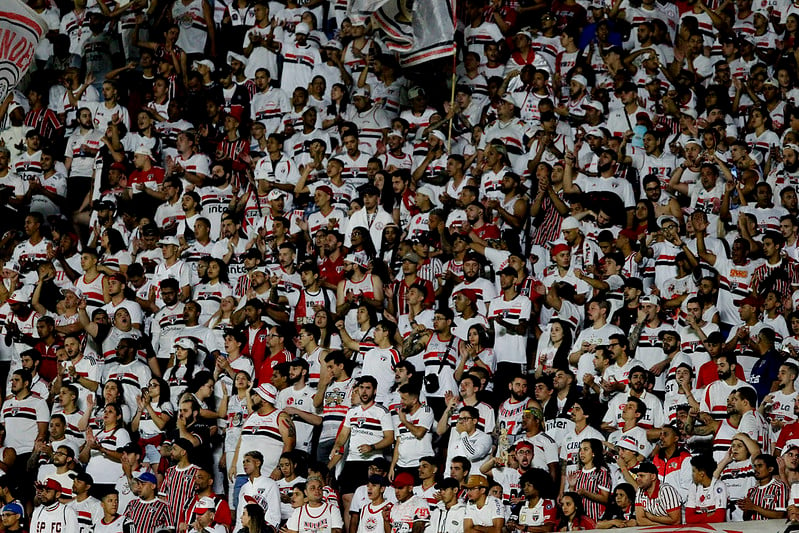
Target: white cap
169 240
205 62
302 28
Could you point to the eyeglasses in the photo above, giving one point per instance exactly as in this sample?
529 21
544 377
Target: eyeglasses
56 453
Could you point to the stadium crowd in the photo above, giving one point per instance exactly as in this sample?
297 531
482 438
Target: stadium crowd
262 273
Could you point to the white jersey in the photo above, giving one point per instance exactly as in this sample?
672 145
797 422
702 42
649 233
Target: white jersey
371 518
57 518
322 519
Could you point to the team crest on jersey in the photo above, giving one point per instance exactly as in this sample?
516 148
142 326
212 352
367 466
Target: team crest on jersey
360 422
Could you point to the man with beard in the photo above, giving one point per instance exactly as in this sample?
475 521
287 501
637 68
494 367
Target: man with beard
508 474
365 440
204 488
132 373
297 400
52 515
606 182
79 370
61 469
484 289
786 173
657 503
664 203
358 286
371 216
267 430
434 162
652 421
714 397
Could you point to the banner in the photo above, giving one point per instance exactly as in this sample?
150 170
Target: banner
417 30
754 526
20 31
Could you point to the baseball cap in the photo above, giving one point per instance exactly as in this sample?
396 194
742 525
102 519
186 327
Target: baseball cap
412 257
361 91
52 484
403 479
20 296
302 28
593 104
754 301
629 443
204 62
267 392
359 258
667 218
470 294
186 343
74 290
649 299
415 92
130 447
204 505
559 247
82 476
13 507
147 477
169 240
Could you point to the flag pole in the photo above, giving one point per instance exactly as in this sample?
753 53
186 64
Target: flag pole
454 79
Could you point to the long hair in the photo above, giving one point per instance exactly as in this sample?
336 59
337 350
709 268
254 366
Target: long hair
115 241
223 271
561 359
579 509
163 386
598 450
257 520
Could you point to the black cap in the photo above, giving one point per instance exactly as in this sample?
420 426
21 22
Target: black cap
130 447
82 476
647 468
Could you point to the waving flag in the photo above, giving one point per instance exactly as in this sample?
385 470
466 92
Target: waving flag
418 30
20 31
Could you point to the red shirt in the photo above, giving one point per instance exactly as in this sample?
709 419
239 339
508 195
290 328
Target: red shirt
49 366
154 175
332 271
266 368
708 374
